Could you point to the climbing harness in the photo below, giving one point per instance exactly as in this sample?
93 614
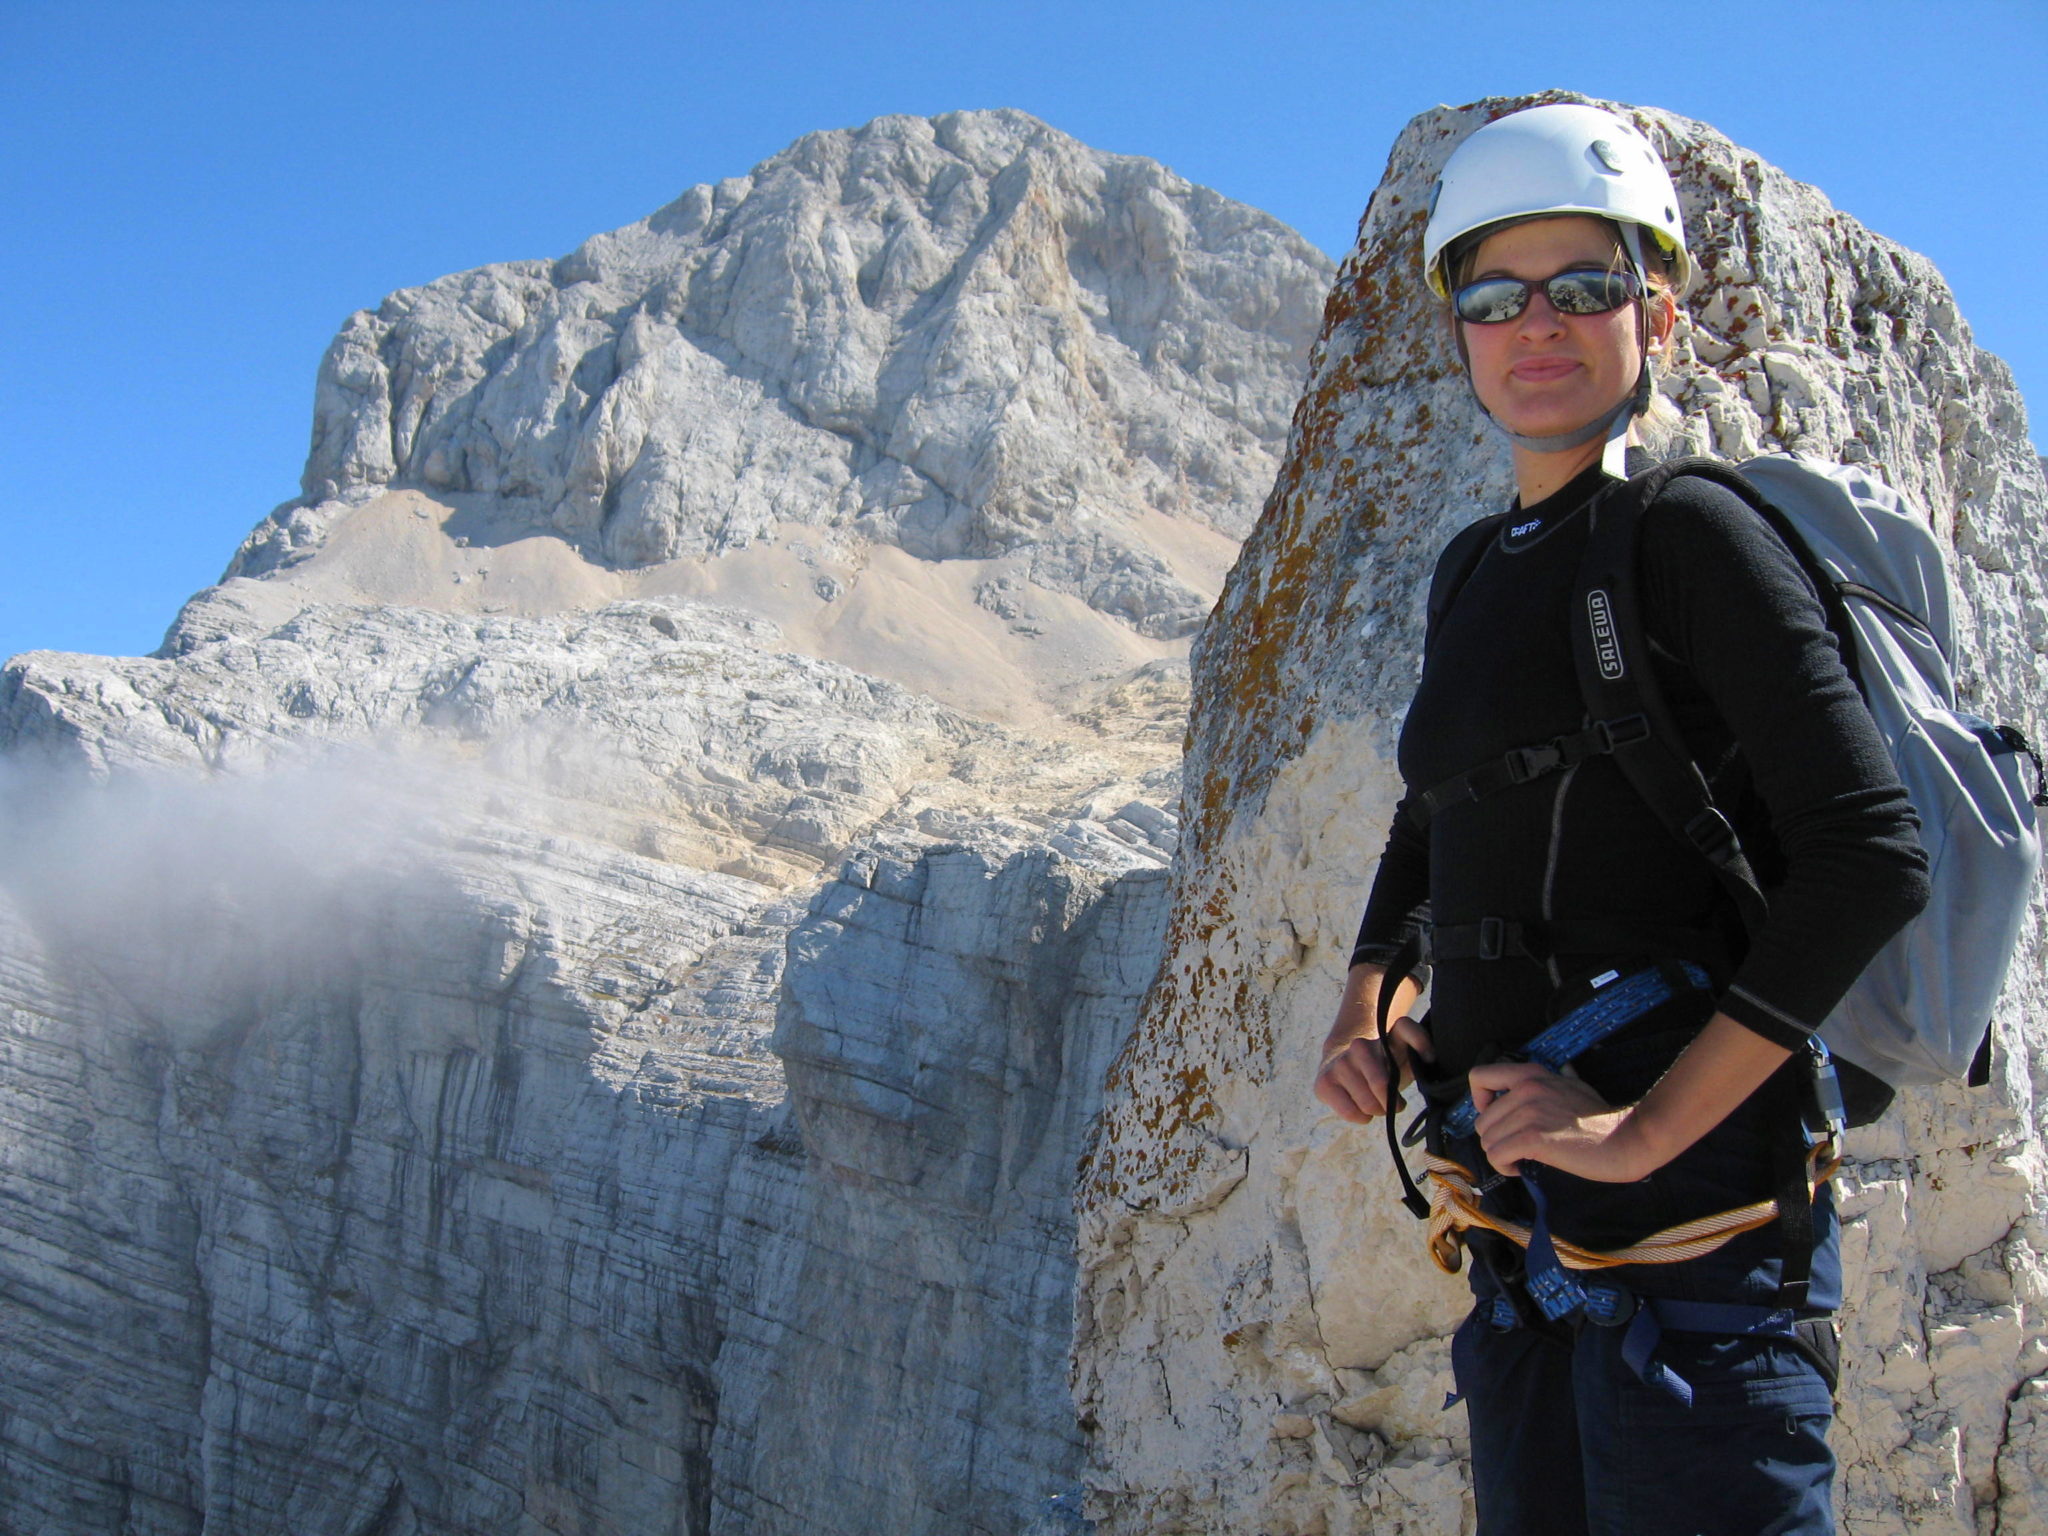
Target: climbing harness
1648 1318
1616 1003
1553 1265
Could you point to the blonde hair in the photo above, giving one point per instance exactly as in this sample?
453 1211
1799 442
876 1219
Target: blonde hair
1660 426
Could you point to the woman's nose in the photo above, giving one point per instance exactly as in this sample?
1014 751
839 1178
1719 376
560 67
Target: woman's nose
1540 317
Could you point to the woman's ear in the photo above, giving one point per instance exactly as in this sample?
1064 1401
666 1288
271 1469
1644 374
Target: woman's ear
1663 315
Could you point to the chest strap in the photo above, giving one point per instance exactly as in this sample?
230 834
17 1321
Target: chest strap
1505 938
1518 765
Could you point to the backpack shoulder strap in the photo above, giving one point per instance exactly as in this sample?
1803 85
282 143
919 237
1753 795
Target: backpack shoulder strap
1826 587
1454 567
1611 653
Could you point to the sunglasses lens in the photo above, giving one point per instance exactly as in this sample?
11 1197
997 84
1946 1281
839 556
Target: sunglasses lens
1491 300
1590 292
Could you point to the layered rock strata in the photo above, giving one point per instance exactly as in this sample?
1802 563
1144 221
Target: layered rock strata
1262 1343
484 1095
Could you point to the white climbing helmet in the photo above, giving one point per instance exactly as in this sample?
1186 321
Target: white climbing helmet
1563 158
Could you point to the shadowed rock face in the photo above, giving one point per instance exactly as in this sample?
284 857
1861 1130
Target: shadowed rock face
1262 1342
563 998
469 1190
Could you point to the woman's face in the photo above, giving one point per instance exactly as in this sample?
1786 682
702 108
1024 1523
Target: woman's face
1544 373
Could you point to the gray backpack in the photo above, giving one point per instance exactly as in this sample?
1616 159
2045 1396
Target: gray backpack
1921 1012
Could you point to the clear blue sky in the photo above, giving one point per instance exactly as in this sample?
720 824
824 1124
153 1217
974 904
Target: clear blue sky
194 195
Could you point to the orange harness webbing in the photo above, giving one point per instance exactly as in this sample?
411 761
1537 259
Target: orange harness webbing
1454 1210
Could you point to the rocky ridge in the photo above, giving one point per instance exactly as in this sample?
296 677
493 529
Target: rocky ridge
1260 1348
1051 378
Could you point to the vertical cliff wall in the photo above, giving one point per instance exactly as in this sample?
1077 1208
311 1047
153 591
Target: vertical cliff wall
475 1112
1261 1343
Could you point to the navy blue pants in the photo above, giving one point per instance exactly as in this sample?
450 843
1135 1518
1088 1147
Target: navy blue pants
1567 1441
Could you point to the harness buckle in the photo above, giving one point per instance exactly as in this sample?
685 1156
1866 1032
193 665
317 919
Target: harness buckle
1710 832
1609 1306
1493 938
1624 732
1526 763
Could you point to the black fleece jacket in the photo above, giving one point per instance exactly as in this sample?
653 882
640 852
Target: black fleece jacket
1755 680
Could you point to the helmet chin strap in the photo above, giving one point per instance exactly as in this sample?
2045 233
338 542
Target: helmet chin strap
1614 457
1614 422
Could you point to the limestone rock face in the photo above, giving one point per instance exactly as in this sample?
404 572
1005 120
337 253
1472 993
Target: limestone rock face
459 1079
571 991
968 337
1262 1344
568 993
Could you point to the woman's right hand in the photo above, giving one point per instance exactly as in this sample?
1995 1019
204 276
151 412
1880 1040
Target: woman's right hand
1353 1078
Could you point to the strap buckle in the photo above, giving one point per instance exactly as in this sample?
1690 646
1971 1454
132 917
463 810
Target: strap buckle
1609 1306
1710 832
1628 730
1526 763
1493 938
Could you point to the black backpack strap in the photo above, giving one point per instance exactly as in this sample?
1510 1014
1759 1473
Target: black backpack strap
1611 653
1610 650
1520 765
1405 963
1825 587
1793 1178
1454 567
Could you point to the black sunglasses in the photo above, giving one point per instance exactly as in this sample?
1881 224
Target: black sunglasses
1581 291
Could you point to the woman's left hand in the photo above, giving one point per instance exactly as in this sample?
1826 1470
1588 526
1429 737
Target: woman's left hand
1528 1112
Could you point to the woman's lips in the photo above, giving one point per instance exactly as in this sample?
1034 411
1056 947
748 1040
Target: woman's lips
1541 370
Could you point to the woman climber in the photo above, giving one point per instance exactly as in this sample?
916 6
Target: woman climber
1650 1348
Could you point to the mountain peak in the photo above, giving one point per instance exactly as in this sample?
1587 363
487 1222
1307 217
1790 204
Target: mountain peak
967 338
